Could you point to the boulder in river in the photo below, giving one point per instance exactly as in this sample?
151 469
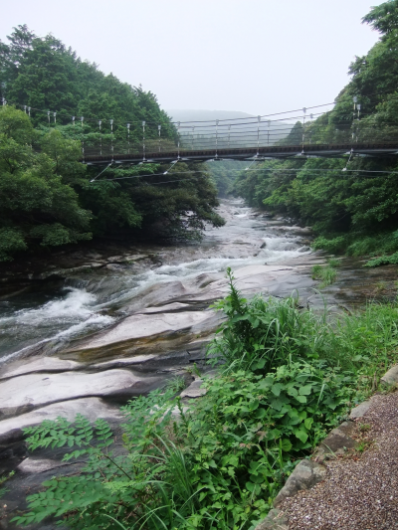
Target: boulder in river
149 333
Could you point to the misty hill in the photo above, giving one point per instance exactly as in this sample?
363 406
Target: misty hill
240 130
206 115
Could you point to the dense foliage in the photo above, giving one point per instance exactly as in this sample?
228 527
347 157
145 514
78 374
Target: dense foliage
43 74
347 207
47 197
286 377
36 203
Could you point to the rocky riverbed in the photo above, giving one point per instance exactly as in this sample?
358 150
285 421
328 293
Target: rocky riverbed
86 337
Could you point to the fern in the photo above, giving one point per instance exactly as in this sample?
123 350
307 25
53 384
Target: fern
110 487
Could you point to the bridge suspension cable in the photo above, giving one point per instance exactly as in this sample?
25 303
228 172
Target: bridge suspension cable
150 123
240 171
253 137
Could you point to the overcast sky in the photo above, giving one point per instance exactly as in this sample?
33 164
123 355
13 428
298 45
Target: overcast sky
255 56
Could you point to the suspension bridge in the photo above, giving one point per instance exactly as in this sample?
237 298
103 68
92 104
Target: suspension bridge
272 136
250 138
246 153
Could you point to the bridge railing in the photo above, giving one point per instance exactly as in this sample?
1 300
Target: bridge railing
347 135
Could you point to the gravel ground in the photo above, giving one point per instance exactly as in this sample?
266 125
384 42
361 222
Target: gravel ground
359 493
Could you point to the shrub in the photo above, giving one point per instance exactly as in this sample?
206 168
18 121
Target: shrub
383 260
334 245
262 334
219 467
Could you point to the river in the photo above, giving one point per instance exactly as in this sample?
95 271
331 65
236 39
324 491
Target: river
48 315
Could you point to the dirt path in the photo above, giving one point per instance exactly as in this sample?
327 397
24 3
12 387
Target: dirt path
360 492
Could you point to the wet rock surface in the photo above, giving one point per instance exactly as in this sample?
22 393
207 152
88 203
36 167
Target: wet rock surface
22 394
92 408
42 364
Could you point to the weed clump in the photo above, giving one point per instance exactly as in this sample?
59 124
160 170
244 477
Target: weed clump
327 274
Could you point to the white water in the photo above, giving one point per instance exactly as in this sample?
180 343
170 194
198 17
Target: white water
72 314
188 270
75 312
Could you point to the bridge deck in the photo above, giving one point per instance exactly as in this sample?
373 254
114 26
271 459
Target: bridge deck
247 153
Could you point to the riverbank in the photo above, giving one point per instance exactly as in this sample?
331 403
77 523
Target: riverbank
225 457
150 324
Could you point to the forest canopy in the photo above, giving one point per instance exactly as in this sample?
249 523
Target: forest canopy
47 198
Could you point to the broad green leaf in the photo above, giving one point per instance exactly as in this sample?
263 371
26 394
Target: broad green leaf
301 435
277 388
308 423
305 390
286 445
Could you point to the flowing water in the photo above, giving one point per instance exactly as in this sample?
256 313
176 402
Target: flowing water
53 313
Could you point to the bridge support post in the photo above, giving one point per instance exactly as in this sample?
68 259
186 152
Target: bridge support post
143 141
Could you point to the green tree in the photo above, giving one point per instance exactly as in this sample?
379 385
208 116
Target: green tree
36 206
345 200
66 202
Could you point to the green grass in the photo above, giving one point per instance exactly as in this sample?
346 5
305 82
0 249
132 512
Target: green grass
381 248
176 384
392 259
4 479
325 273
334 262
287 375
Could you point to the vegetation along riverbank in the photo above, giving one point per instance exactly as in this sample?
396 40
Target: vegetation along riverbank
46 198
287 376
351 204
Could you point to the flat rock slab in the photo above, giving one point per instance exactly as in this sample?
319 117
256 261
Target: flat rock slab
337 442
391 377
156 295
305 475
43 364
36 390
38 465
92 408
139 326
160 324
279 280
125 361
175 306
